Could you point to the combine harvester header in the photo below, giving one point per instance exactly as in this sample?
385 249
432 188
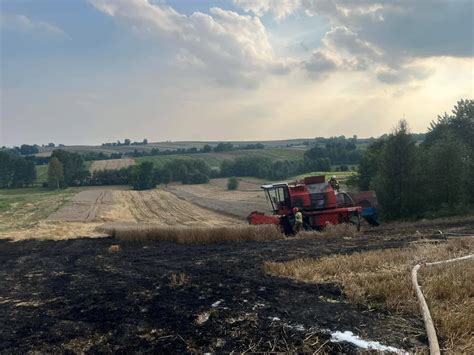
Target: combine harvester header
319 203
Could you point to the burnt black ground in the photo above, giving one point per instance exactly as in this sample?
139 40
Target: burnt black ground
72 295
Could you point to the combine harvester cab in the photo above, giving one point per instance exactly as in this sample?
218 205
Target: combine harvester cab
318 202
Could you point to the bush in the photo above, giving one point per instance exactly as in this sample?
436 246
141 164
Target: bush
196 178
232 183
142 176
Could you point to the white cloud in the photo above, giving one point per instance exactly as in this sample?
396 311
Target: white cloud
231 48
278 8
384 36
22 23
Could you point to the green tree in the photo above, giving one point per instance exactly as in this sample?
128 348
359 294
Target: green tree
446 169
6 169
26 149
143 176
24 172
55 174
368 167
73 165
396 180
460 124
232 183
166 176
207 148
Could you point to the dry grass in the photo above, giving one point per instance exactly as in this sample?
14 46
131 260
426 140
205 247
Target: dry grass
111 164
449 290
178 280
332 230
381 279
114 249
189 235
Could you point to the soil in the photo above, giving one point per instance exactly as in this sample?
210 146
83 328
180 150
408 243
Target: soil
215 196
162 207
85 206
111 164
77 295
94 206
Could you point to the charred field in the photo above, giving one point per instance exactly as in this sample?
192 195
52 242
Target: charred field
77 296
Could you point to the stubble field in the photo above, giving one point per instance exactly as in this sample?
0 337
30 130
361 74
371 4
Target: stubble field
61 292
111 164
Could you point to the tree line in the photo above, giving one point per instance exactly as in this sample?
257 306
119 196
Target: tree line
15 170
432 178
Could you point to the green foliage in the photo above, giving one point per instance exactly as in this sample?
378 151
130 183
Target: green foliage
223 147
232 183
430 179
143 176
336 150
196 177
460 125
111 177
165 176
260 167
447 166
15 171
26 149
56 174
214 160
75 173
187 171
369 165
395 181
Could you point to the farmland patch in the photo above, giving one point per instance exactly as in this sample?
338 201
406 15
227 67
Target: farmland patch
111 164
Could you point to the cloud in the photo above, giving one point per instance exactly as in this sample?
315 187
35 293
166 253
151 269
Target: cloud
278 8
405 74
22 23
231 48
320 64
384 36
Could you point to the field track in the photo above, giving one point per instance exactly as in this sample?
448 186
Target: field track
156 206
215 196
86 206
163 207
111 164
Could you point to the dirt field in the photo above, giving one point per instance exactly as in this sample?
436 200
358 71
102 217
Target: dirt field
76 295
86 206
73 295
77 213
111 164
162 207
215 196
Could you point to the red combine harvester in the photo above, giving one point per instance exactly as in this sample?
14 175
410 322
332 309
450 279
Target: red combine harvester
319 203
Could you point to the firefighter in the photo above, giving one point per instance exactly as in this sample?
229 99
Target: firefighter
334 183
298 226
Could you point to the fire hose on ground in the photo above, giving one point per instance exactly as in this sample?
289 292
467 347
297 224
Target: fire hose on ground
430 329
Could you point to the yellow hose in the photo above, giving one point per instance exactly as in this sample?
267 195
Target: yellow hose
430 329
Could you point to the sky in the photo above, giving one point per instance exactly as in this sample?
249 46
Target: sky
93 71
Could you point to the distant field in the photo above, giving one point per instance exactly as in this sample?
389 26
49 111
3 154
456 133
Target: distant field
340 175
215 159
112 164
170 146
22 208
42 172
